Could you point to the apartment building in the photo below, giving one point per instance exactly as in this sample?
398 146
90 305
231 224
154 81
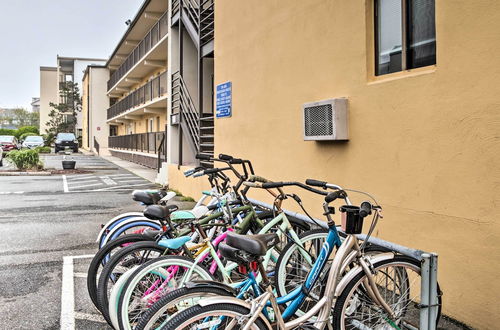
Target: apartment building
138 88
417 80
35 104
51 79
95 102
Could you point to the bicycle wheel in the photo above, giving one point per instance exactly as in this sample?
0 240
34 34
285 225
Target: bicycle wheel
175 302
103 255
152 281
398 281
122 261
221 316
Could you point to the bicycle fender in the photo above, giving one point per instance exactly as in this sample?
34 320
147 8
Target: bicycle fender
212 284
356 270
232 300
118 217
126 222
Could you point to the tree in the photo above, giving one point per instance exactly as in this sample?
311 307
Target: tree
63 115
19 117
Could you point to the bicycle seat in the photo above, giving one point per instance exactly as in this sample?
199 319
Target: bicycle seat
156 212
146 197
174 243
196 213
256 245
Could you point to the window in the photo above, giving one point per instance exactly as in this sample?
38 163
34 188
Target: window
405 35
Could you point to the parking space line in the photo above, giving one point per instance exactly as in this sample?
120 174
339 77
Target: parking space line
108 181
68 314
113 175
65 184
89 317
88 185
123 187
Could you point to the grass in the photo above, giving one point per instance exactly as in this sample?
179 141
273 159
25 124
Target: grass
181 196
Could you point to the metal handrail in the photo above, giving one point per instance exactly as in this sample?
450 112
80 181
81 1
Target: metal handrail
151 90
152 38
143 142
159 152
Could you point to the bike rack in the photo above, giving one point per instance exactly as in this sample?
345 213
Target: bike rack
428 287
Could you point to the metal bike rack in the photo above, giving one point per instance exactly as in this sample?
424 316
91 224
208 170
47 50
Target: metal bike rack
428 287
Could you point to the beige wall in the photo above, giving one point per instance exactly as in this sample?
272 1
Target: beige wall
48 93
425 142
85 111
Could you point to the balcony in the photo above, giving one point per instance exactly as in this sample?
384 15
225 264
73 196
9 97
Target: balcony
146 49
148 149
152 92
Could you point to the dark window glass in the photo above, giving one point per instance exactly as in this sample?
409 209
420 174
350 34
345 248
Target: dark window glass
421 33
405 35
389 36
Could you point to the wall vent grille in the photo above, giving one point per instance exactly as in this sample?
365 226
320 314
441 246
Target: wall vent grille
325 120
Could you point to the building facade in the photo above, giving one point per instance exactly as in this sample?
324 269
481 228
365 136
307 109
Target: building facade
138 88
419 79
95 102
35 104
49 93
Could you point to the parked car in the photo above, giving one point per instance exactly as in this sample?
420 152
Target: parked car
64 140
1 156
33 142
8 143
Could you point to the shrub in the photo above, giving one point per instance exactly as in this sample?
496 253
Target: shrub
25 159
24 135
7 131
43 150
26 129
48 138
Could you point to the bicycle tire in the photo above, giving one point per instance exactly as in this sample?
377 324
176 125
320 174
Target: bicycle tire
344 306
98 261
165 308
197 312
153 267
103 287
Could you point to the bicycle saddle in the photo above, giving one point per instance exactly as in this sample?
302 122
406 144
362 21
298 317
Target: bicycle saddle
156 212
196 213
146 197
256 245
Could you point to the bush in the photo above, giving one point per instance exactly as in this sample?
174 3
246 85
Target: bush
7 131
24 135
48 138
26 129
43 150
25 159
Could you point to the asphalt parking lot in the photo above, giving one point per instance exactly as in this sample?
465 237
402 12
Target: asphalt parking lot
46 220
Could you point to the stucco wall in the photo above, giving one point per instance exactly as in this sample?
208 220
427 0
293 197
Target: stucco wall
48 93
425 142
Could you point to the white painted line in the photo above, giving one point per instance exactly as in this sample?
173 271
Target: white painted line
18 192
108 181
67 295
65 184
131 180
84 181
78 177
81 275
87 185
124 187
90 317
81 179
84 256
117 175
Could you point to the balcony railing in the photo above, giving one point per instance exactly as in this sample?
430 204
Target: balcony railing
148 92
143 142
157 32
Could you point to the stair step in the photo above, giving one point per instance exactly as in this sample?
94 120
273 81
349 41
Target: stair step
207 145
207 127
211 118
206 136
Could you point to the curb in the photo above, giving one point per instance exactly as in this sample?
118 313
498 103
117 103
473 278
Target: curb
25 173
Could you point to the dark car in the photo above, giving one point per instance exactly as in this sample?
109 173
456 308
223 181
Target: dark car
66 140
8 143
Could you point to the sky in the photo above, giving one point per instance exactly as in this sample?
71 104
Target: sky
34 32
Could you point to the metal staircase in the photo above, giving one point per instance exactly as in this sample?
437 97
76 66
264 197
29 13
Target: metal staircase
197 18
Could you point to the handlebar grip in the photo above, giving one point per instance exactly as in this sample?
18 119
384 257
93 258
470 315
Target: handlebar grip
257 178
365 209
198 174
202 157
316 183
331 197
189 172
225 157
252 184
236 161
211 170
268 185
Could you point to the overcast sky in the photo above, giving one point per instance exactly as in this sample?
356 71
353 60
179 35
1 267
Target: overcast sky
34 32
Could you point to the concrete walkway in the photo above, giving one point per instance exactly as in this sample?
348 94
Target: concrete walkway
142 171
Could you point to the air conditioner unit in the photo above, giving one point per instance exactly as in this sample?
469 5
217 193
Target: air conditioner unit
326 120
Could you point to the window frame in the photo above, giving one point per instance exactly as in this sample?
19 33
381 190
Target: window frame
405 36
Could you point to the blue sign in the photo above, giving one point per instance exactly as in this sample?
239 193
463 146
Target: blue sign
223 100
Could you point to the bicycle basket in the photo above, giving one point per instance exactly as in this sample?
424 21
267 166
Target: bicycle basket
352 223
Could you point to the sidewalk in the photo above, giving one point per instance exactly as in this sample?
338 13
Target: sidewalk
142 171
